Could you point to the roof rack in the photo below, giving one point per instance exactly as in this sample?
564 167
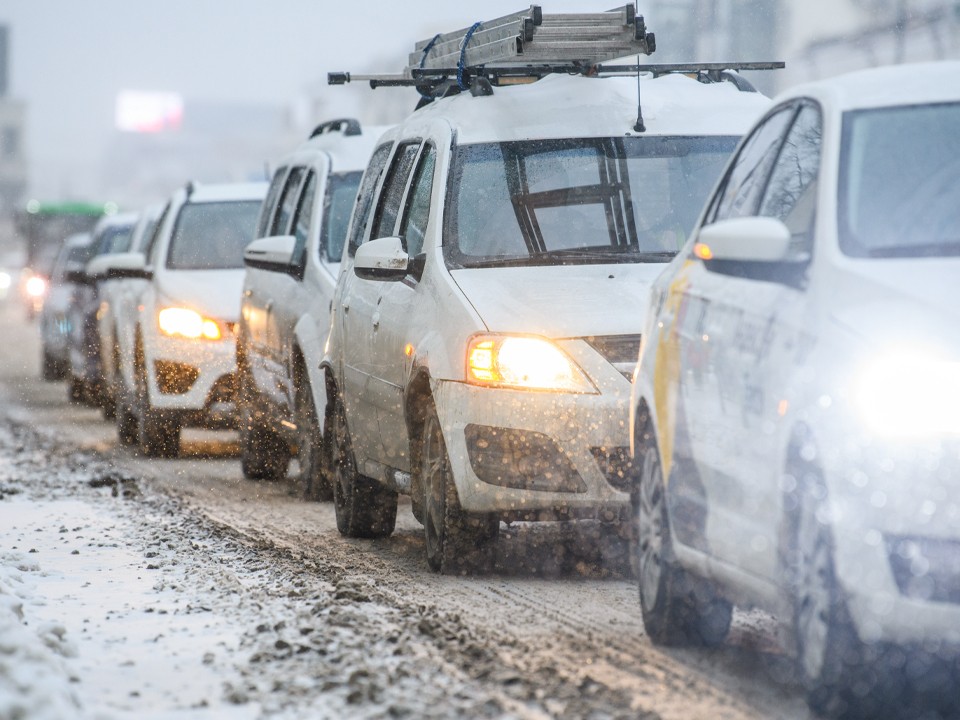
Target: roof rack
349 126
519 47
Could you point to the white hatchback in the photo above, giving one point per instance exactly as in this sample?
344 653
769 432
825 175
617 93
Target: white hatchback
183 363
485 324
797 404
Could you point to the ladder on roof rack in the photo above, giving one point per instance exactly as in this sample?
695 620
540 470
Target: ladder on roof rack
523 45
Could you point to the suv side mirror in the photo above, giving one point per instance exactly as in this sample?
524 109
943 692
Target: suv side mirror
120 266
271 253
77 276
381 259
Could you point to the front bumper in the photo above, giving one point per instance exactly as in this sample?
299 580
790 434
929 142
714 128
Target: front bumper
194 380
896 517
537 455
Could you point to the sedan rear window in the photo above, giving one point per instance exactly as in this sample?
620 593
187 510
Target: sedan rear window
212 235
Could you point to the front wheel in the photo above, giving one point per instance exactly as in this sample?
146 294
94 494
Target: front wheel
157 436
314 478
833 661
364 507
457 542
677 608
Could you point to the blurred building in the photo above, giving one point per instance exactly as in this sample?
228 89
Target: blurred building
817 38
13 162
207 142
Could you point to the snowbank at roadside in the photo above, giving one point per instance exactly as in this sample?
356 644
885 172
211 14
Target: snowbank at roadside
34 680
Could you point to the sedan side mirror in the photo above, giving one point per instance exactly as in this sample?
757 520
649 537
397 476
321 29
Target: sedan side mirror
122 266
757 248
382 259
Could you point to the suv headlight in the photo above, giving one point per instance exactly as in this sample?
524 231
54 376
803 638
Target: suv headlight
526 363
910 395
188 323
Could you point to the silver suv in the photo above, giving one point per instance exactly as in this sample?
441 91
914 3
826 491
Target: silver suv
292 270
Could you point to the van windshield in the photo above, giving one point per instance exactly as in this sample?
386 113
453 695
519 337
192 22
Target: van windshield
576 201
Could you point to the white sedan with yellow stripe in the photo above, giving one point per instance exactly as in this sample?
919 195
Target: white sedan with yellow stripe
796 409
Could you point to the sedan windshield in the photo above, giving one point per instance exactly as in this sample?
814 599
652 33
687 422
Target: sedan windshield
212 235
577 201
900 182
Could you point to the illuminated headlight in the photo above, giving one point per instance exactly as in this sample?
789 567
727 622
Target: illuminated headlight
188 323
36 286
910 395
527 363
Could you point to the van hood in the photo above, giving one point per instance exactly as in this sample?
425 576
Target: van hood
213 293
561 301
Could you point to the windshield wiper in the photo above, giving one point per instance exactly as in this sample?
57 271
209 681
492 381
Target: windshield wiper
617 254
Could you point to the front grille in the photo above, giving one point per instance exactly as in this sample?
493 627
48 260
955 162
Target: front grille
175 378
926 568
621 351
615 464
520 459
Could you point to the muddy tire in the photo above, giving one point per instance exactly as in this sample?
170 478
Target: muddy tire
52 368
457 542
364 507
127 427
311 453
835 665
677 608
157 436
263 454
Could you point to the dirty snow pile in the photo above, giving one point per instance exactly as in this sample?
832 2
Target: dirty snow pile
34 681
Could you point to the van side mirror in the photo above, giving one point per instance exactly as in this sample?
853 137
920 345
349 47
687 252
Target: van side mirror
382 259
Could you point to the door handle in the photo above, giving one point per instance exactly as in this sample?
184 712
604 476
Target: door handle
376 320
345 306
269 305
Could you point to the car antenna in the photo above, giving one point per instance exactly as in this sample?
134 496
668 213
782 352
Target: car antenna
639 126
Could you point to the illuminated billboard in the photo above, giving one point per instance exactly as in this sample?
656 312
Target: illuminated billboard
148 112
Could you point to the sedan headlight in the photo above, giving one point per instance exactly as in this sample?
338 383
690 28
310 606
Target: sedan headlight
910 395
188 323
526 363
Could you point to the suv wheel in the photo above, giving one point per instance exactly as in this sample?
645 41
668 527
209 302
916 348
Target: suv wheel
53 368
314 479
364 507
263 454
457 542
156 435
677 608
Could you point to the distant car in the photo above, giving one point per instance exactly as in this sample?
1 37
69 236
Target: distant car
285 309
796 410
183 365
117 318
486 321
110 235
54 317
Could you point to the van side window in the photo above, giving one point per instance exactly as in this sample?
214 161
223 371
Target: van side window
388 205
270 203
287 200
301 221
417 213
361 214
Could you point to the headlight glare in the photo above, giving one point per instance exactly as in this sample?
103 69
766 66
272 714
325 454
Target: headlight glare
527 363
188 323
910 395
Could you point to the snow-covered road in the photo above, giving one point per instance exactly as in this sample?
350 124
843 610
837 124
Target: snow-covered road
175 588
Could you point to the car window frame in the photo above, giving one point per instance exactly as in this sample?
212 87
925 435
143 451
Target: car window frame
386 184
269 210
367 195
288 189
299 264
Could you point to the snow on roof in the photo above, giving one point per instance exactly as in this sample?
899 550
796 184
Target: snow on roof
228 191
346 152
907 84
560 106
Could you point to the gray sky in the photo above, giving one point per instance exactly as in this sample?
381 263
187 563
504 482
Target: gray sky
70 58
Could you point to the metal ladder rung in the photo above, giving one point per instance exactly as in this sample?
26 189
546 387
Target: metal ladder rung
480 39
488 24
502 50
